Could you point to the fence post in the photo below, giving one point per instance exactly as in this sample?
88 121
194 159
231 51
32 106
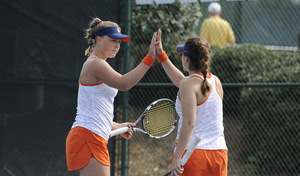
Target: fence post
125 95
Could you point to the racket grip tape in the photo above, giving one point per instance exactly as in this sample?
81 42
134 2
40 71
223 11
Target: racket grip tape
119 131
190 150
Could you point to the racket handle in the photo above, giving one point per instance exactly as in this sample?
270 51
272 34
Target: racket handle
119 131
188 153
190 150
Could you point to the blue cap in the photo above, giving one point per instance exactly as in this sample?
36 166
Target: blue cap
112 32
183 49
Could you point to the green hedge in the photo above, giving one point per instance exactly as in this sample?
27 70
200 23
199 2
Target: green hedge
270 114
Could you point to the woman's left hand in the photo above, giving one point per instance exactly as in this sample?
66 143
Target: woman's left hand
152 47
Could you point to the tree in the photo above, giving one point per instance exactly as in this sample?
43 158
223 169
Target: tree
177 22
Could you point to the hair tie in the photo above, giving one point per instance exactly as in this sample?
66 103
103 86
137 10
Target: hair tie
100 21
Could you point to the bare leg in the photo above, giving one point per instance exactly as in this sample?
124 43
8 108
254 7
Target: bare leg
94 168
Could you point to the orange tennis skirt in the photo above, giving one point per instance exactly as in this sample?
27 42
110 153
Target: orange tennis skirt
82 145
207 163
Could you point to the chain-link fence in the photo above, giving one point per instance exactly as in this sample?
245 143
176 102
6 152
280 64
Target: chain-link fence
42 53
260 80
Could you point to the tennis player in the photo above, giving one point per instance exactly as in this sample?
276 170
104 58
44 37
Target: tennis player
86 143
200 108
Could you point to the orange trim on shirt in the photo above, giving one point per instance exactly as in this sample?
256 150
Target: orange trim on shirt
179 96
91 84
217 88
197 76
208 74
204 100
94 55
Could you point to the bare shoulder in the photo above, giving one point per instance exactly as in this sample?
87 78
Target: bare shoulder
190 84
95 63
92 71
183 81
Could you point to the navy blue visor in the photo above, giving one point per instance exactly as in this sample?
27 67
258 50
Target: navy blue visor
183 49
112 32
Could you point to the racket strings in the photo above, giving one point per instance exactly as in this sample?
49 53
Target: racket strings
160 119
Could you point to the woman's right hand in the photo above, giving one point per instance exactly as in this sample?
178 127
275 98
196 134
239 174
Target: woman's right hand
176 168
152 47
128 134
159 48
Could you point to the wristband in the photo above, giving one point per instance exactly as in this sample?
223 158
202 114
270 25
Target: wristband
148 60
162 57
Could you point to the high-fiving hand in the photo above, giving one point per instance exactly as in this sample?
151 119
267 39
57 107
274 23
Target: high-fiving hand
152 47
159 48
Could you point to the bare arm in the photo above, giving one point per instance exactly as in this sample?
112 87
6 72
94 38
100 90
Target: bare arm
126 135
109 76
99 70
189 103
174 73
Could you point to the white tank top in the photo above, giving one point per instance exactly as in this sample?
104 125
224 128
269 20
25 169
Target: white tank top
95 108
209 118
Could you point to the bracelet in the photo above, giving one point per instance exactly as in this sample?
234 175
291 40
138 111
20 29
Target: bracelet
148 60
162 57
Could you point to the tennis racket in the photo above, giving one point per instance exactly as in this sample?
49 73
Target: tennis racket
188 152
158 120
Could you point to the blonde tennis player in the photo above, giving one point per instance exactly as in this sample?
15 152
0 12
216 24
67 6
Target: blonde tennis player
86 143
200 108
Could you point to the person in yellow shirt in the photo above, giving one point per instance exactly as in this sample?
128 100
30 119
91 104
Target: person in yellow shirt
216 30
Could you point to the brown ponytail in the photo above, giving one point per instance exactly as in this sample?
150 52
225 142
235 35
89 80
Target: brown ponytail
202 63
